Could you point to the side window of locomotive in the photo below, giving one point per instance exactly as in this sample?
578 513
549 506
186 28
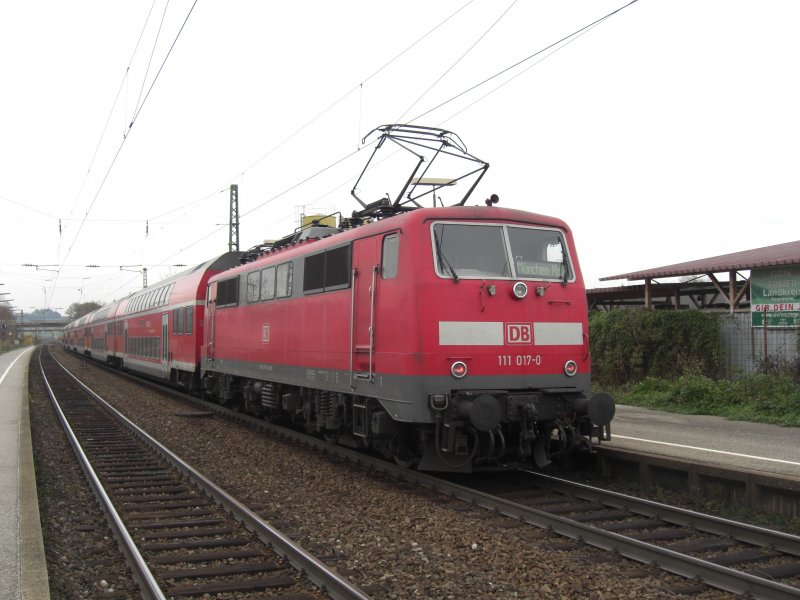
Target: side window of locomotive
284 280
390 255
228 292
539 254
268 283
327 271
253 286
337 268
314 273
471 251
189 319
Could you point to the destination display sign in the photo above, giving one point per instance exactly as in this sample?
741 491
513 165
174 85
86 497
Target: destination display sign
775 296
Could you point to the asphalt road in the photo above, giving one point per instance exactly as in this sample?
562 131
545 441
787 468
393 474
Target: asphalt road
713 440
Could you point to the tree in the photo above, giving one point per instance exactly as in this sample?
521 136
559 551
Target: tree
77 309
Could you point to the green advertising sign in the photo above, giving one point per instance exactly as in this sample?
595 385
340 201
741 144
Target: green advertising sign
775 296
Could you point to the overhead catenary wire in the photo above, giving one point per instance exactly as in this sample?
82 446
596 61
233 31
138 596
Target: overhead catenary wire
563 41
554 47
516 75
113 106
524 60
359 87
458 60
152 53
122 143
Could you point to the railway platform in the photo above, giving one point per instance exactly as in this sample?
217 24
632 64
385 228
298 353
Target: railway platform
756 447
23 568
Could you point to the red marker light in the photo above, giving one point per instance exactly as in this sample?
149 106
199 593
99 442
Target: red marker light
570 368
458 369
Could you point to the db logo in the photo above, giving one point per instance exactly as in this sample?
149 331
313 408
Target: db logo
519 333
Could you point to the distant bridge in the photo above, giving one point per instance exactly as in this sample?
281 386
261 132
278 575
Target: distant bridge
50 329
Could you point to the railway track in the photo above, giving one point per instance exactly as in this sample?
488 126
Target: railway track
182 536
735 557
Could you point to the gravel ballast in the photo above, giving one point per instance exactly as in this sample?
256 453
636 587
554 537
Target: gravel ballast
392 540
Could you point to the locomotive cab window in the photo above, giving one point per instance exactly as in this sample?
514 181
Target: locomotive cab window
539 254
477 251
474 251
390 256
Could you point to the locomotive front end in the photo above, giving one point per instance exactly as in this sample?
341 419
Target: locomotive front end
509 333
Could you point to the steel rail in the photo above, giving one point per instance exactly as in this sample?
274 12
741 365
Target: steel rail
148 586
714 575
743 532
315 570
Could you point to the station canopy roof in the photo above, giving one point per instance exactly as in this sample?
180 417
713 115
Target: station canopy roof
704 291
769 256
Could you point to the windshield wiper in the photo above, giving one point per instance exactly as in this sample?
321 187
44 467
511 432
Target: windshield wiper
442 258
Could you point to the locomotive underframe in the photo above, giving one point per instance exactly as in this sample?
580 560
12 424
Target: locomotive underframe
465 429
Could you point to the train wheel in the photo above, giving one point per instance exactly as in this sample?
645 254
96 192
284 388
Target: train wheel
405 448
405 462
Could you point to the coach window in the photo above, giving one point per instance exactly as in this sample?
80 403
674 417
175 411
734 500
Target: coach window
189 319
177 321
253 286
268 283
391 253
283 288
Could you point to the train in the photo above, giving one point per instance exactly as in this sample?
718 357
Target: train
445 338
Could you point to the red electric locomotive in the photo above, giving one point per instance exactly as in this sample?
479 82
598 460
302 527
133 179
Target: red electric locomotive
446 337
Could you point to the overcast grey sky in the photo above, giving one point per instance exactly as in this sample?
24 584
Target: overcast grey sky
666 133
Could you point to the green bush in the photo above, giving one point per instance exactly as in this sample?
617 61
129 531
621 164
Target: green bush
761 398
630 345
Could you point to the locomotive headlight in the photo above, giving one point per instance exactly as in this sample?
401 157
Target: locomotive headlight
458 369
570 368
520 290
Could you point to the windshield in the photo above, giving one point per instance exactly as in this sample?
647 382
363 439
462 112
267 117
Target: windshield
500 252
470 250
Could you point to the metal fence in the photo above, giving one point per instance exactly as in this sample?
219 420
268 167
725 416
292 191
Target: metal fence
751 349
